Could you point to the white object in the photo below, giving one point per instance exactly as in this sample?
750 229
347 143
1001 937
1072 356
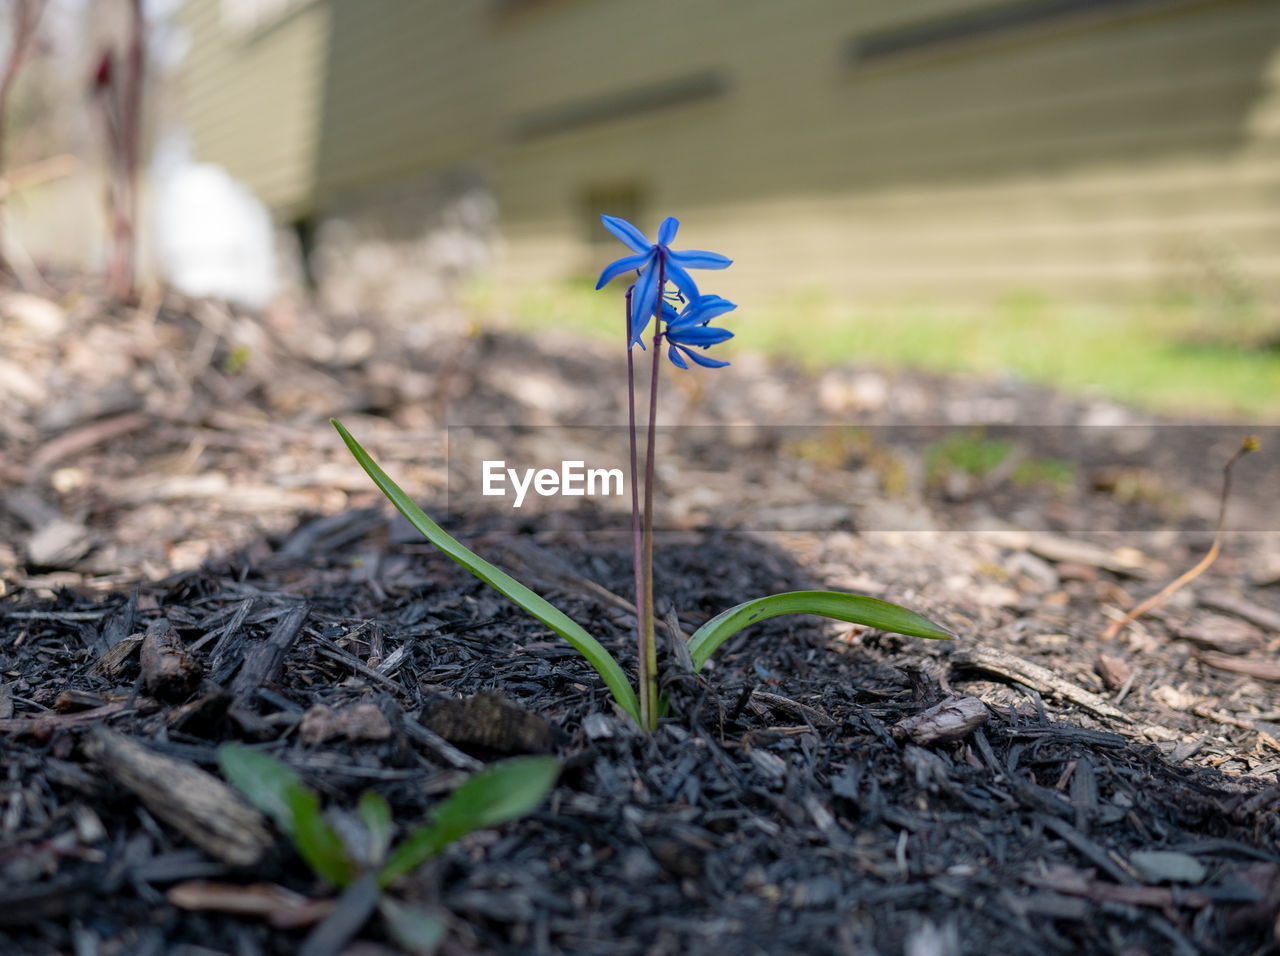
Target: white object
212 235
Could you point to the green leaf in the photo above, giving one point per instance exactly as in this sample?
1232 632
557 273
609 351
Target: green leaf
317 841
376 817
498 579
854 608
278 791
263 780
501 792
414 928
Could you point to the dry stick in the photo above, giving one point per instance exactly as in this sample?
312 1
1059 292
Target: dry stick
1248 445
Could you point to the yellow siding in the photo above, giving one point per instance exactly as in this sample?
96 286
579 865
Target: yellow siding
253 99
1101 153
1108 152
408 90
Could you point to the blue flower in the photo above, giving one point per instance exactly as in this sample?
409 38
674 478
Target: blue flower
689 328
645 293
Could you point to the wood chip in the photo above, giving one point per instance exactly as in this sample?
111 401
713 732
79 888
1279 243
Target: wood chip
490 721
794 707
1036 677
43 727
196 803
948 721
1217 632
1114 671
1250 611
1067 880
279 906
357 722
169 671
1062 550
115 659
1262 670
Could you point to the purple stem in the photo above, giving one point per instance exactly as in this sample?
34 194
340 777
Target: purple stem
636 547
648 646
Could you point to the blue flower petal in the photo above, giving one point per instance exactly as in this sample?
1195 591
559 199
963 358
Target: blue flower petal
700 312
699 259
631 237
644 301
703 360
699 335
667 231
676 360
683 281
618 267
711 306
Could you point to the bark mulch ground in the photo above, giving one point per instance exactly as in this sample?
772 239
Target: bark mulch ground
188 558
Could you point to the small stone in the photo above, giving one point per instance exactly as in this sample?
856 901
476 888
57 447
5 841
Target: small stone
59 544
1165 866
597 726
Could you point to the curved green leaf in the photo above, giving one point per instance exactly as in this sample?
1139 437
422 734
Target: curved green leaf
544 611
501 792
276 789
418 929
854 608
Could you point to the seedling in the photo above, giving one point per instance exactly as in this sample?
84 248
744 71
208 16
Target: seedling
502 792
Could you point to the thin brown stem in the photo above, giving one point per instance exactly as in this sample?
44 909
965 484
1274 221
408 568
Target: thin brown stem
1249 444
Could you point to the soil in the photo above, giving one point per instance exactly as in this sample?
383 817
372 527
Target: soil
170 482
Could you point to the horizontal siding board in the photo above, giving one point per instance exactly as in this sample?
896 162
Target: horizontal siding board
252 100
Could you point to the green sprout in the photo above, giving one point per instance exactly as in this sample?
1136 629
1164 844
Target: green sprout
504 791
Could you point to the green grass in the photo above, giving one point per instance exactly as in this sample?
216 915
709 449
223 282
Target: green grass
1158 357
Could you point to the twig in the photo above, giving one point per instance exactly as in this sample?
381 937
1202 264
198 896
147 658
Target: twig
1039 678
1248 445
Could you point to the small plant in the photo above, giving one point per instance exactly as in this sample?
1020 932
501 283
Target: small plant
501 792
973 454
683 318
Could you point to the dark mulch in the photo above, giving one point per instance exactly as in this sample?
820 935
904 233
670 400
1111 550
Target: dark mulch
771 814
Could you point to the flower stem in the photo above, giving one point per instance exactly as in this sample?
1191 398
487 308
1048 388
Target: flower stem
648 644
637 554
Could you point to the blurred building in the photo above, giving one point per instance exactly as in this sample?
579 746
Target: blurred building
887 149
